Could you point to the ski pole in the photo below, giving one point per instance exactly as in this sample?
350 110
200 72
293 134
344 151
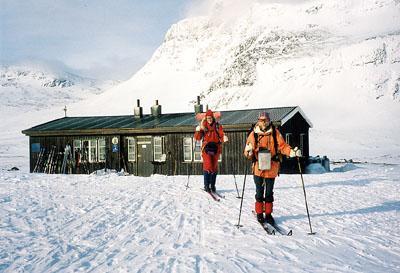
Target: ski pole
188 171
305 197
241 202
234 177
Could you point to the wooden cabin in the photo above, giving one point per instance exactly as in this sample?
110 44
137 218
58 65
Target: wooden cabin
155 143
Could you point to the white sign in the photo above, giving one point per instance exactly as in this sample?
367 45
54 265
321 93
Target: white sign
115 140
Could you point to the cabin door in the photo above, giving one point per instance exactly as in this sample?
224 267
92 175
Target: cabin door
144 156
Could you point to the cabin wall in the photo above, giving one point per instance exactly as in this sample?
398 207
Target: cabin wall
297 125
233 161
112 160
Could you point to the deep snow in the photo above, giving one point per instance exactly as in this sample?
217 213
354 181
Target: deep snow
112 223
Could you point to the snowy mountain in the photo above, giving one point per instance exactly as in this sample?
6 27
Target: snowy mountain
34 87
263 52
338 60
33 94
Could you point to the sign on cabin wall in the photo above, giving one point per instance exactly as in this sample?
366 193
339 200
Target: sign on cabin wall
115 148
35 147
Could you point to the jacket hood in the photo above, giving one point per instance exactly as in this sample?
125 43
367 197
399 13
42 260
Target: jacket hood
258 130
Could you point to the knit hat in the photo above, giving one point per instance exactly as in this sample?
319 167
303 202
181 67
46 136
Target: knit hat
264 116
209 113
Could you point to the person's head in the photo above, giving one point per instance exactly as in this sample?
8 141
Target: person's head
263 120
209 116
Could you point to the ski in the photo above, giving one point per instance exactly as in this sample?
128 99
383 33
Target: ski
282 231
267 228
214 196
218 194
39 161
273 229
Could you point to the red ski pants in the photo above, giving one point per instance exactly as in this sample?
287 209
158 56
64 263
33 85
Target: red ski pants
210 162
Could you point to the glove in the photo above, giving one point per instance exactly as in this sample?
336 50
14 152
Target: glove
225 138
249 149
198 128
202 127
296 152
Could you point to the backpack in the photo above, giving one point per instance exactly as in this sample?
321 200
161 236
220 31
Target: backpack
278 155
211 148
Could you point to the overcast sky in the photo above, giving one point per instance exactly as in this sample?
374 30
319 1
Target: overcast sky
104 39
97 38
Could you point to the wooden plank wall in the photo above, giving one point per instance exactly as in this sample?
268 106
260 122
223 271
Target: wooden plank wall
233 161
112 159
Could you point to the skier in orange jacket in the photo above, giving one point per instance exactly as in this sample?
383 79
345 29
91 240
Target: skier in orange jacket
264 145
212 135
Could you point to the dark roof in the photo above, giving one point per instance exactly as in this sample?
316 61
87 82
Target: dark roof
234 117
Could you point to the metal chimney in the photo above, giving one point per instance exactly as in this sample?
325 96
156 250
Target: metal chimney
156 110
138 110
198 108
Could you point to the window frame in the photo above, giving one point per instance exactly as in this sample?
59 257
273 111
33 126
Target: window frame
131 144
161 158
288 136
197 144
93 146
101 151
301 144
75 148
187 142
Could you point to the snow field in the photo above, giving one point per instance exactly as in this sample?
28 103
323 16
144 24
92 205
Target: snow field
111 223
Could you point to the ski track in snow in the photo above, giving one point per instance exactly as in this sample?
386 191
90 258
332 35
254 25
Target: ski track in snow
111 223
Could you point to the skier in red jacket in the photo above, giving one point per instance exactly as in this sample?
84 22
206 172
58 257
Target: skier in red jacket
211 133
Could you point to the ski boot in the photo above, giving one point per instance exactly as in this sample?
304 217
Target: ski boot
260 218
269 219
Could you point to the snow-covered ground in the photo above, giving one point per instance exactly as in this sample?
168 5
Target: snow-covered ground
112 223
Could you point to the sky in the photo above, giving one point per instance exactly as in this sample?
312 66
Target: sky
107 40
99 39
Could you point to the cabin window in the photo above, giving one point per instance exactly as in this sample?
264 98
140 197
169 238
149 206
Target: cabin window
158 147
288 138
90 150
102 149
77 145
192 150
93 150
187 149
302 138
131 149
197 150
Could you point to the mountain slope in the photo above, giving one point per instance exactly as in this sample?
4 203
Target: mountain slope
339 61
33 87
31 94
